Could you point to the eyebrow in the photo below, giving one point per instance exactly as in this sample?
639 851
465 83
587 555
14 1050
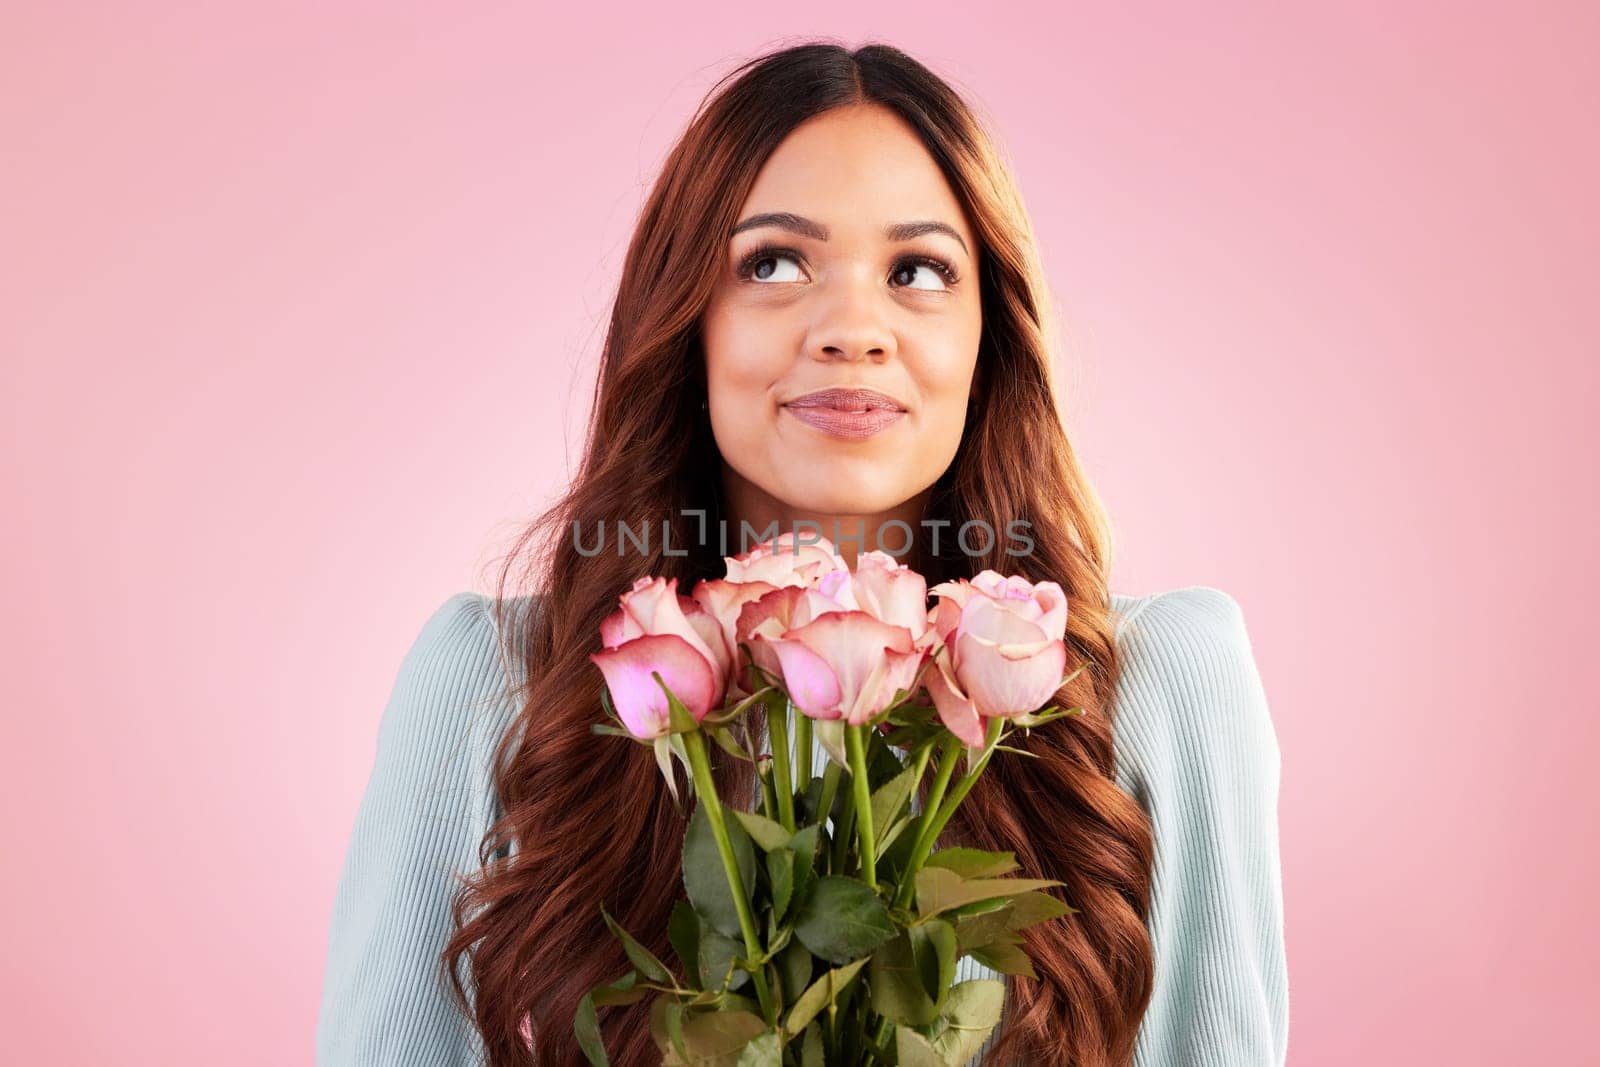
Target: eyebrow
898 231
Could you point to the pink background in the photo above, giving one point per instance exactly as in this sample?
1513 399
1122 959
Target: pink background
298 310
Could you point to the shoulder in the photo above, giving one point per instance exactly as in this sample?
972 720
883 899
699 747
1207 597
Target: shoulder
456 654
468 644
451 696
1194 611
1189 697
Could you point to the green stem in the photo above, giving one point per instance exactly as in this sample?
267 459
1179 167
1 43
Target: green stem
841 843
880 1040
939 810
968 780
935 815
949 753
705 788
802 750
782 782
856 749
922 761
830 789
769 797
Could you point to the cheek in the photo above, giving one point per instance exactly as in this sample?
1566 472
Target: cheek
946 379
744 355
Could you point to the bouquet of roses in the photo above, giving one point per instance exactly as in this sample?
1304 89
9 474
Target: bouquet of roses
819 929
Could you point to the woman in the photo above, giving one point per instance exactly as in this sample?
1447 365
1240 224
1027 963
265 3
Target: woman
831 220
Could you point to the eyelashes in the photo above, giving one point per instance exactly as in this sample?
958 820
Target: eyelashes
770 251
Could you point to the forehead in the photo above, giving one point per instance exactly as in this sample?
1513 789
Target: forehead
854 169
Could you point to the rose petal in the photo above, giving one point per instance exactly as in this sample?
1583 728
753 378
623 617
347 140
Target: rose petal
853 644
725 600
1006 686
640 702
894 672
956 710
807 676
658 609
891 592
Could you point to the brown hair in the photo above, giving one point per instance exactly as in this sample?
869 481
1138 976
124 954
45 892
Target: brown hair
589 816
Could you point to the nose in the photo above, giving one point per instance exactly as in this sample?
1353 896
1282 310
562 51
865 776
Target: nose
852 326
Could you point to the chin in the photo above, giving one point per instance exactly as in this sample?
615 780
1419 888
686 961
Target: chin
838 496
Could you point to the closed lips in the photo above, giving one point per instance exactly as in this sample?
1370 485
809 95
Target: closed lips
848 400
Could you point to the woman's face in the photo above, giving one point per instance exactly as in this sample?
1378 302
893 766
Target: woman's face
852 267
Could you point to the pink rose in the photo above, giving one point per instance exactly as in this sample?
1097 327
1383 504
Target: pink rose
783 561
725 600
773 614
884 588
1003 650
656 629
835 662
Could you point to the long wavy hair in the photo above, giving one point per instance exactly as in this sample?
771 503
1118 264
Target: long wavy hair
586 819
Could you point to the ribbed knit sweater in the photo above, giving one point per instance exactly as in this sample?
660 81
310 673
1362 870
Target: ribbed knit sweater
1194 743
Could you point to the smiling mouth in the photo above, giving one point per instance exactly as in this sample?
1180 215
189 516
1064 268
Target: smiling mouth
848 399
844 423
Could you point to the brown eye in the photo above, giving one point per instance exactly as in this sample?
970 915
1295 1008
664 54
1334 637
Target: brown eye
765 265
908 269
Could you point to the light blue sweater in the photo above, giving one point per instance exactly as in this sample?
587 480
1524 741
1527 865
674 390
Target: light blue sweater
1195 746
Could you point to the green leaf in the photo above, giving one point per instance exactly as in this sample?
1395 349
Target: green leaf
914 1050
679 718
714 1038
887 802
804 844
666 1024
1030 908
811 801
977 907
894 852
896 989
811 1048
675 1012
970 1013
1006 958
763 831
980 930
638 955
936 955
794 967
622 991
735 1002
765 1050
974 862
844 920
939 889
780 873
683 930
890 797
586 1024
892 834
703 874
824 991
717 953
909 974
725 740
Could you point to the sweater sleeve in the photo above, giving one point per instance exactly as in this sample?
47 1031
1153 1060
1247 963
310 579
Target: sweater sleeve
386 996
1197 748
